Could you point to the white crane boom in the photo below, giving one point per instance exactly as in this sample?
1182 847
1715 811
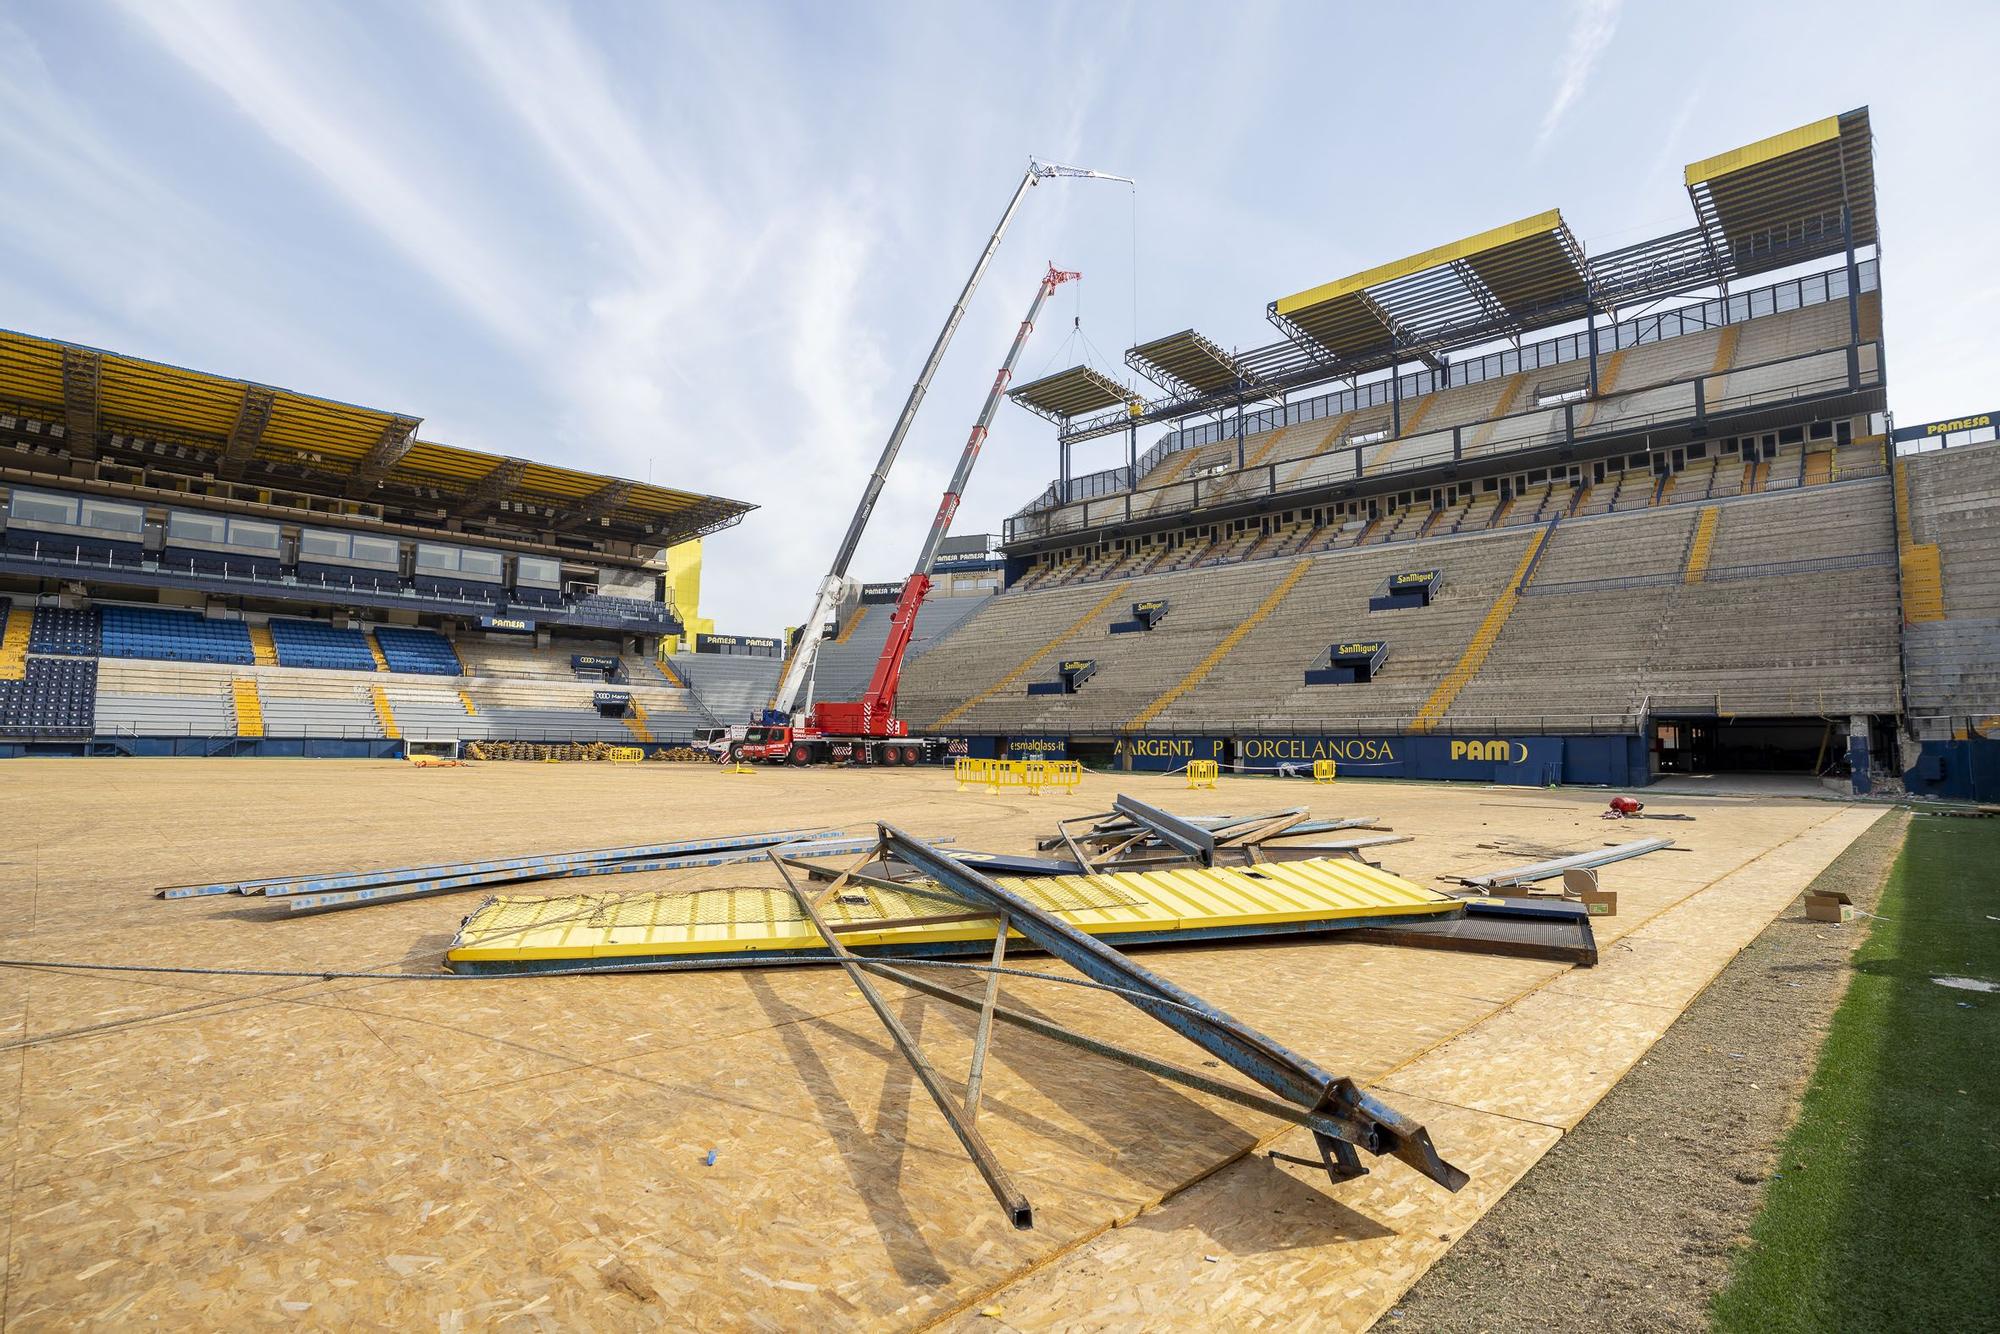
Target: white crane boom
833 589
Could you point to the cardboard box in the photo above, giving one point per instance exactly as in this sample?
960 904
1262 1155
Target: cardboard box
1829 906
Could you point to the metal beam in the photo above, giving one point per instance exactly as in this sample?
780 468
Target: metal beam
1364 1121
80 368
253 414
384 454
488 490
1549 870
596 505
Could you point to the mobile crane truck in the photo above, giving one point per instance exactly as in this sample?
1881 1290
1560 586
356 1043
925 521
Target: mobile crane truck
792 729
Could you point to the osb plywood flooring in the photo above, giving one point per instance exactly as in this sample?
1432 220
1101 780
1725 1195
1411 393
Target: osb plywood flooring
220 1151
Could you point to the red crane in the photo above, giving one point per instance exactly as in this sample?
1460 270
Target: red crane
874 714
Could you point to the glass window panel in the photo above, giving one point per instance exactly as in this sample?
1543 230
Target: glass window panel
480 564
185 527
319 542
376 550
111 518
249 533
44 508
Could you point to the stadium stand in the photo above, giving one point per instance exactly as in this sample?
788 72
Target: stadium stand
316 644
1949 503
54 697
176 636
424 652
504 692
730 688
70 631
1751 636
848 660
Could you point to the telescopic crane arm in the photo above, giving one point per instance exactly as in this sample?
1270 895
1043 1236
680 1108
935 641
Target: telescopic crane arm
798 667
877 704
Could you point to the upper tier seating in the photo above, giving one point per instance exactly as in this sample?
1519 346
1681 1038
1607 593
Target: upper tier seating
316 644
422 651
1500 415
177 636
604 604
64 630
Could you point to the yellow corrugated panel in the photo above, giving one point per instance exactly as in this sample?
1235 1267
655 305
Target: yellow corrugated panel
1764 150
1428 259
148 393
31 371
760 920
316 426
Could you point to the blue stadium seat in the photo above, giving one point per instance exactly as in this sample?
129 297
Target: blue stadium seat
174 636
317 644
417 651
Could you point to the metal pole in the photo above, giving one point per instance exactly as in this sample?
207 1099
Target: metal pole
977 1075
1019 1212
1396 398
1590 315
1853 300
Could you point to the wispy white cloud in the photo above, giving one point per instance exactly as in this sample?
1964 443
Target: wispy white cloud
301 104
1593 23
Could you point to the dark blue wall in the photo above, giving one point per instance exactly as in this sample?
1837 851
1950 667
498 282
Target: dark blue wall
1966 770
1533 761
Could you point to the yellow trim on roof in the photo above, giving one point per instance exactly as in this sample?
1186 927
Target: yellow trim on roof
1429 259
1764 150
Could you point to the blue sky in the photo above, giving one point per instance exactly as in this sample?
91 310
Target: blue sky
712 242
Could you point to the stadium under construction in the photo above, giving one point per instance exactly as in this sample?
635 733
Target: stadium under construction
1194 905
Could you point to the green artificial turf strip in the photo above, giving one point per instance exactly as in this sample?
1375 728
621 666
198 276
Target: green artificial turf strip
1884 1209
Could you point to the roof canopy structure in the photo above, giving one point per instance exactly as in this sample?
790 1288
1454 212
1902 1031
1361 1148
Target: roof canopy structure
1778 201
1766 206
1187 363
1071 393
1496 283
189 421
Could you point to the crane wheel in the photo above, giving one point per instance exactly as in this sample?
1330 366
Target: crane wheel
911 755
890 755
798 759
